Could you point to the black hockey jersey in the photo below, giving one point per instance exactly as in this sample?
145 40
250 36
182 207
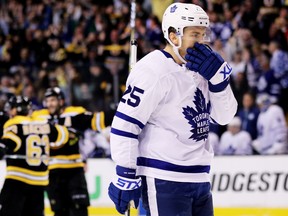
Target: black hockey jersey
28 141
78 119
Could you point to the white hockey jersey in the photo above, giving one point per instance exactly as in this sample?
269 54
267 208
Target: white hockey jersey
272 132
235 144
162 122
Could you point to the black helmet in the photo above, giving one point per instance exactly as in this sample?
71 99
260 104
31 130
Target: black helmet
55 91
22 105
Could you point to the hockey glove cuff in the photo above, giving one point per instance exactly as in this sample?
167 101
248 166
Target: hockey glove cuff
125 189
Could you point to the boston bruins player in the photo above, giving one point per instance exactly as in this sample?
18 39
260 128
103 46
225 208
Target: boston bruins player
67 190
26 141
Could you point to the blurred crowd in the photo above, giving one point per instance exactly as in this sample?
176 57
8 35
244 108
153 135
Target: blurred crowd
82 46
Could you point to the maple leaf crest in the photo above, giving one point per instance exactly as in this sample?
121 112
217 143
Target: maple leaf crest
173 9
198 118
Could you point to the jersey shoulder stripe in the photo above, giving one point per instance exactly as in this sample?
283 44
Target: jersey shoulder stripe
44 113
73 110
17 120
39 120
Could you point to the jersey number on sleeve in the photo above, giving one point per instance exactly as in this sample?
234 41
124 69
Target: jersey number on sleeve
134 96
34 149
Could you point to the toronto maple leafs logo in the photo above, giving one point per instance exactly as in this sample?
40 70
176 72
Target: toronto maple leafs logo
226 71
198 118
173 9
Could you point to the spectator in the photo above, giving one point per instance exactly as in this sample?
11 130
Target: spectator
268 82
235 141
271 126
279 63
249 114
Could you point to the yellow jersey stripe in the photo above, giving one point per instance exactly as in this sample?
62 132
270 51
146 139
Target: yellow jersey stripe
17 120
98 122
102 122
63 137
26 171
67 157
93 122
66 166
27 181
16 139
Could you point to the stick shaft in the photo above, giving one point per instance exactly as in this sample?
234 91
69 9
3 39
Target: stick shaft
133 54
127 212
133 41
25 157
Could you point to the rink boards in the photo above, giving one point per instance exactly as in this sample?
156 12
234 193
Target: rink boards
241 186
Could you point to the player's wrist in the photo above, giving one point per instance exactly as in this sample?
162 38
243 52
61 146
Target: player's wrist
222 74
219 87
127 184
126 172
126 179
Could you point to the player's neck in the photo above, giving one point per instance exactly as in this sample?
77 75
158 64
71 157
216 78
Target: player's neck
169 50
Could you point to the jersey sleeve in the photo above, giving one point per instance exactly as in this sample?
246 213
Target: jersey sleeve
143 94
10 139
96 121
58 136
223 105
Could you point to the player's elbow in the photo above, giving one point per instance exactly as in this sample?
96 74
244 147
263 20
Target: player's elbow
226 115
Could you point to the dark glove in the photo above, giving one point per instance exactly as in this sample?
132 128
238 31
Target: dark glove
126 188
209 64
3 150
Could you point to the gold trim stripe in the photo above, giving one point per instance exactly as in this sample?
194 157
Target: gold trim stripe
66 166
14 138
30 182
67 157
26 171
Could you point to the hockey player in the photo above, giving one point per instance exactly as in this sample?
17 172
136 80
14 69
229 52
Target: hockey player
235 141
67 189
26 142
159 132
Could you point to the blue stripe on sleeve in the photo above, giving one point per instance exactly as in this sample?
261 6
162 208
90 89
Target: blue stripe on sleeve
219 87
163 165
129 119
124 133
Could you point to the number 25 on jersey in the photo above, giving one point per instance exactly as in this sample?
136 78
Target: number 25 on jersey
134 94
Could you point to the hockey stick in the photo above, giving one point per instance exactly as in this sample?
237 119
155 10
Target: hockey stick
127 212
44 157
25 157
133 41
132 57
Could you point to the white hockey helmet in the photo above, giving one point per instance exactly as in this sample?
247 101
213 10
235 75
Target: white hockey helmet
181 15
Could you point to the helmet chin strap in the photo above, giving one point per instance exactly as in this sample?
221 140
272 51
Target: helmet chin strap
176 49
